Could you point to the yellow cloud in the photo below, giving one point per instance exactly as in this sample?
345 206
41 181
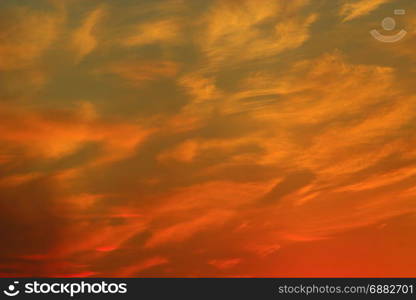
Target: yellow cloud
83 39
42 136
161 31
352 10
183 231
25 35
233 29
200 88
138 72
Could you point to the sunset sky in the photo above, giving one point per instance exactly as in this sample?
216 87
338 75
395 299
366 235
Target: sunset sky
202 138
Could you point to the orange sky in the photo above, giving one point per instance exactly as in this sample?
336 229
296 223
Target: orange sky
195 138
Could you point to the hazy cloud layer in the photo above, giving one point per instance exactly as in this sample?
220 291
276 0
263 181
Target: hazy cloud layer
206 138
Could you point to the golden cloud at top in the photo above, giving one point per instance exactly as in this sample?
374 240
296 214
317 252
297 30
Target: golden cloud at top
25 35
161 31
83 39
234 27
352 10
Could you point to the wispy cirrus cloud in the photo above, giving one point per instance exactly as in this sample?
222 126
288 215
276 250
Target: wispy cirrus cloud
139 72
231 27
355 9
83 39
26 34
159 31
204 138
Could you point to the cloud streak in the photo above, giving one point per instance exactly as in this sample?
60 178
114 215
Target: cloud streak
212 138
